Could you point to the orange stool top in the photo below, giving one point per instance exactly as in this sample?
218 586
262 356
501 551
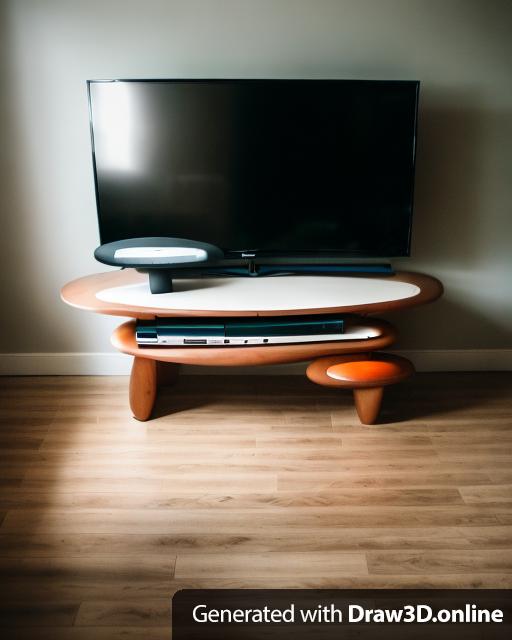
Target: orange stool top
379 372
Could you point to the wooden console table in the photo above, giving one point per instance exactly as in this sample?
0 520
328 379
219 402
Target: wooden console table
126 293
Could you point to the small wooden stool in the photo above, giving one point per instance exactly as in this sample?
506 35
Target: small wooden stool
366 374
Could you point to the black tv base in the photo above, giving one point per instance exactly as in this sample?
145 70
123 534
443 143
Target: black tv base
160 280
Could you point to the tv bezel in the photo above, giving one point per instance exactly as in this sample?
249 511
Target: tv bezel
254 254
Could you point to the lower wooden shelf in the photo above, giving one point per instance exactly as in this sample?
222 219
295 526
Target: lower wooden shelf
123 339
152 366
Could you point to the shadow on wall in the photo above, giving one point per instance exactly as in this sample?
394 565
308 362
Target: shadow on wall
448 324
459 231
19 277
448 191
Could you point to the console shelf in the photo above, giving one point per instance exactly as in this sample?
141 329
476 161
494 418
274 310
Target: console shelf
126 293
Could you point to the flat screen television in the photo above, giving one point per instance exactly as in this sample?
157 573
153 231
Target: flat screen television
263 167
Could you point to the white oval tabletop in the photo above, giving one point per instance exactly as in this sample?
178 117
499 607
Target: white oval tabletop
269 293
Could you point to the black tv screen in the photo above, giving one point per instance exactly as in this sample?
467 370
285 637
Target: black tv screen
271 167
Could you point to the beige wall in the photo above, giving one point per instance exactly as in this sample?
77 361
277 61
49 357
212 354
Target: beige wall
459 49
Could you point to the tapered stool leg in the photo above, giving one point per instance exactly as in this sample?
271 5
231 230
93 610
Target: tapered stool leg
368 402
142 387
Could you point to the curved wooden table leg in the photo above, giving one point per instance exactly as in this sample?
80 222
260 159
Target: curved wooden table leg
368 402
142 387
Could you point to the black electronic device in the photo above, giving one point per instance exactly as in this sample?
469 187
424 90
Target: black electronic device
285 168
166 332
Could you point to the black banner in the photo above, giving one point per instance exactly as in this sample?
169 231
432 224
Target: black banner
334 614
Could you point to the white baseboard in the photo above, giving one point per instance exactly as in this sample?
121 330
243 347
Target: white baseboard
114 364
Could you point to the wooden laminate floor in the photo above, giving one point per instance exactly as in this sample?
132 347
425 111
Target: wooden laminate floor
242 482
